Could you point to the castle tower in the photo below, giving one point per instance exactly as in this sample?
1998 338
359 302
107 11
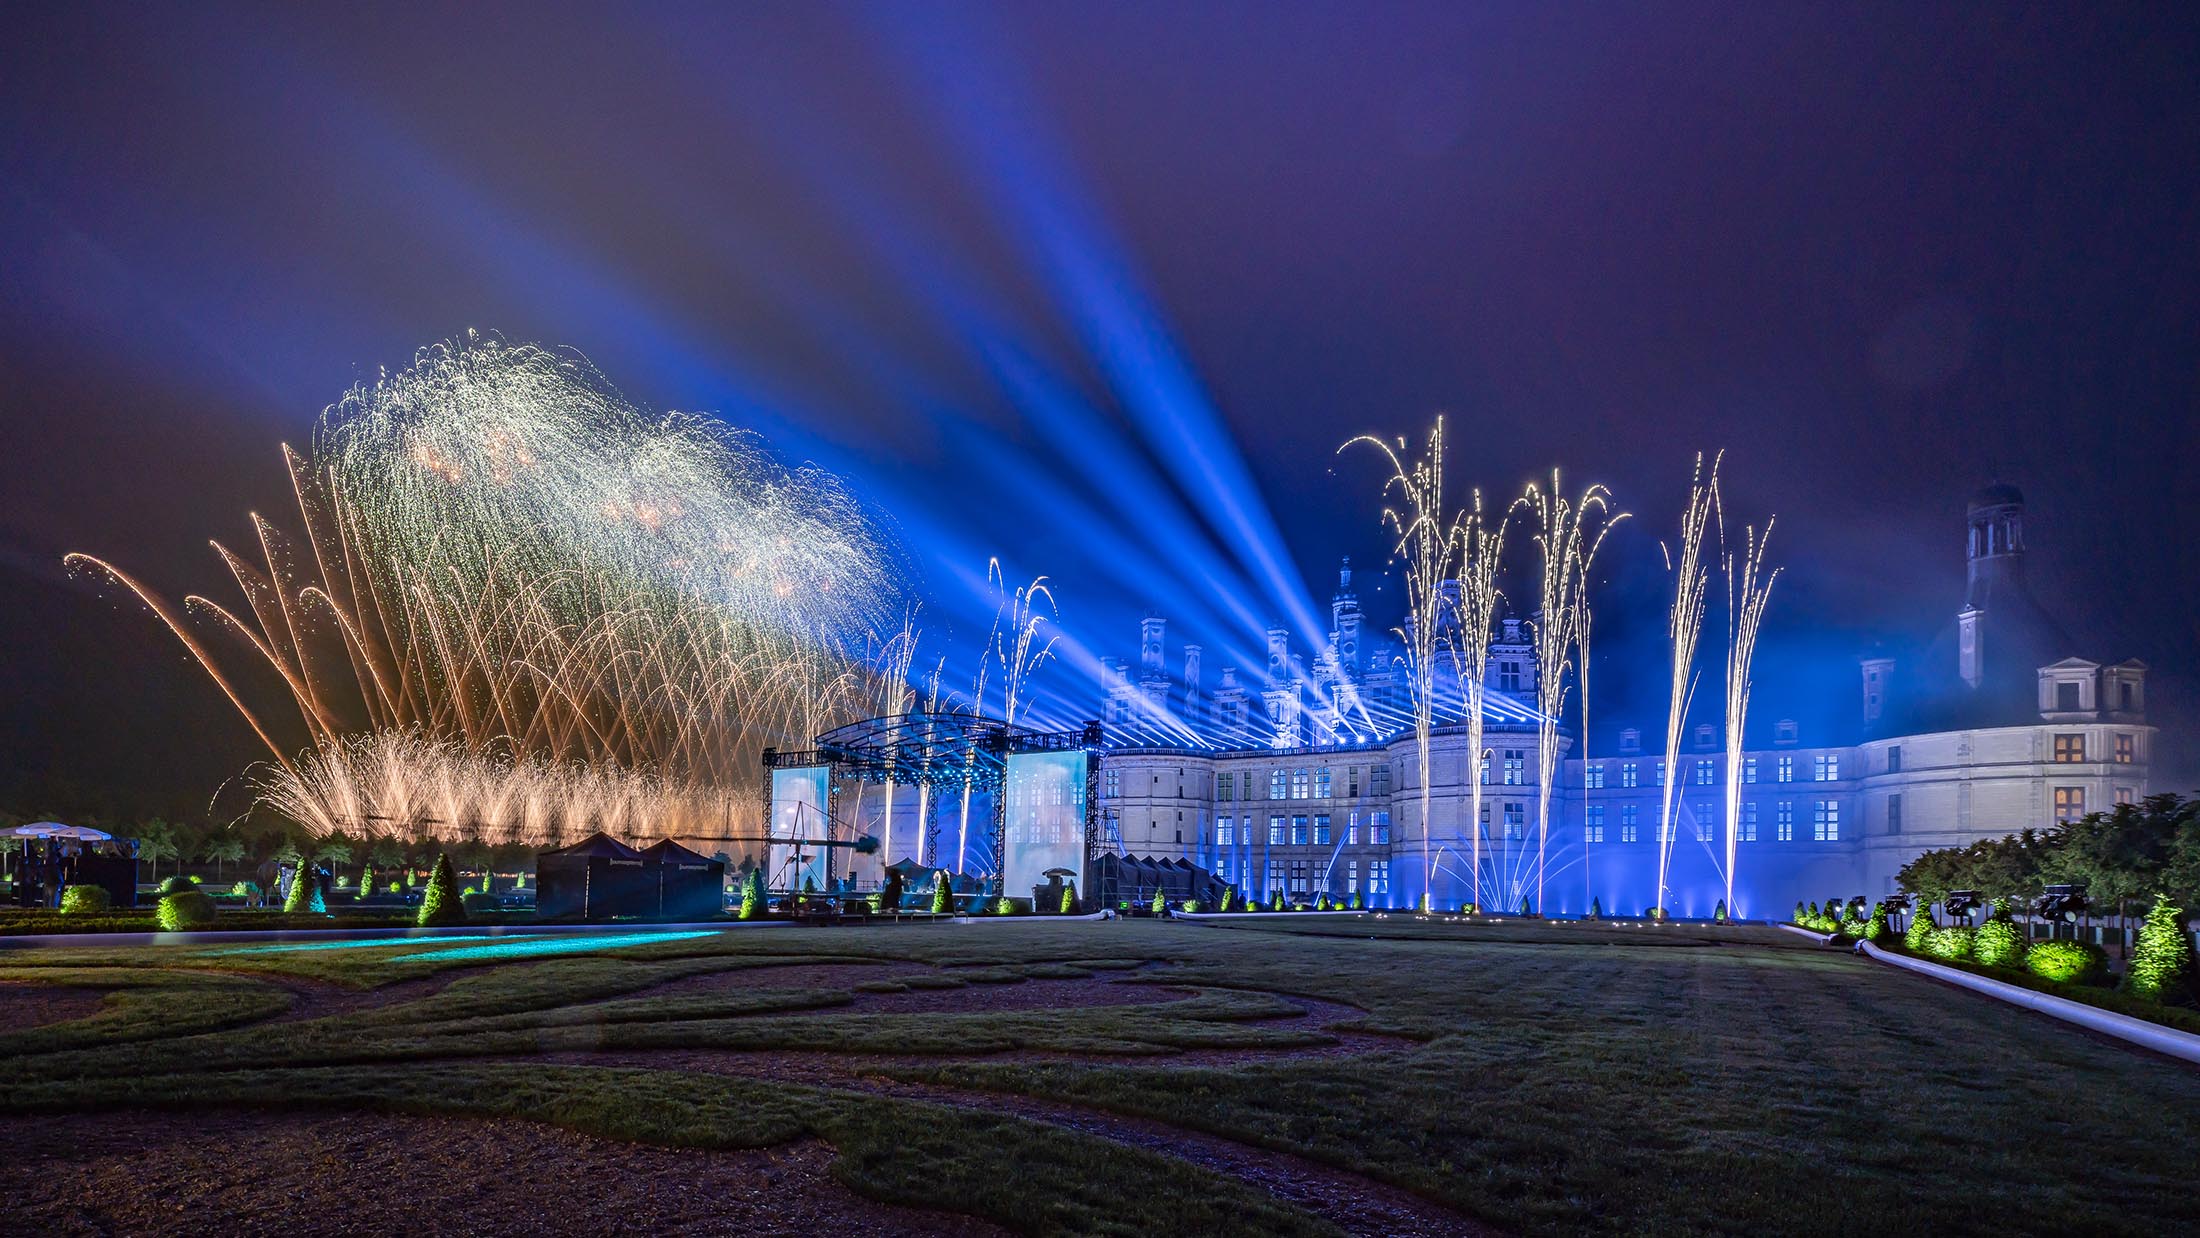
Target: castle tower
1345 621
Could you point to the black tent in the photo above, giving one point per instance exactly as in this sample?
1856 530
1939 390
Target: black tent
598 878
689 886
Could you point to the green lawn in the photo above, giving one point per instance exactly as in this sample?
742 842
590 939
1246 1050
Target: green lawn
1537 1078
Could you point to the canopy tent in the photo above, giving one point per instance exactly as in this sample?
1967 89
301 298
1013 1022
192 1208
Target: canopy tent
54 829
597 878
57 856
689 885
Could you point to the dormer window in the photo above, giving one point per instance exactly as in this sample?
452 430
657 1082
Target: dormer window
1785 731
1630 740
1703 737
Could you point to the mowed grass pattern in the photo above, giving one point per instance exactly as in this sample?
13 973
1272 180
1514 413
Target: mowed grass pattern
1535 1078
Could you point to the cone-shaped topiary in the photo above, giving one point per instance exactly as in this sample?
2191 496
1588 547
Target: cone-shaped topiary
752 894
1596 909
888 898
1229 896
440 906
1425 907
1876 927
1069 899
1718 913
1358 905
1526 908
1799 911
1275 901
1998 942
2161 966
1920 931
943 895
366 881
1160 902
305 891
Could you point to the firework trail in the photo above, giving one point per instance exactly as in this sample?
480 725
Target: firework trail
1569 533
1480 548
1684 625
1748 589
1430 541
521 606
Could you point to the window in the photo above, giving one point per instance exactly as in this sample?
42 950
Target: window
2125 696
1784 771
1749 769
1593 827
1321 829
1627 823
2069 749
1704 774
1301 784
1593 776
1298 876
1665 831
1279 784
1749 822
2127 749
1225 832
2066 698
1894 759
1352 781
1627 773
1378 780
1378 828
1352 829
1378 877
1657 772
1298 831
1482 769
1275 831
2124 795
1516 767
1352 876
1111 783
1275 875
1825 821
1826 767
2069 803
1321 784
1783 821
1508 676
1785 732
1894 814
1516 818
1223 787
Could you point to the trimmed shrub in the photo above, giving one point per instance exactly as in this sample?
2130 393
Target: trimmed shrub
1718 913
1799 911
1526 908
1069 900
440 907
245 889
174 885
1004 906
1955 941
752 894
1358 905
1192 906
1470 908
1998 943
478 903
2161 966
185 909
366 881
1596 909
943 894
1425 908
305 892
1160 902
1920 931
888 897
2071 962
1275 901
1229 895
1876 927
82 900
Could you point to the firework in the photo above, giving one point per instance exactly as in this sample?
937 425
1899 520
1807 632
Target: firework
1570 534
1684 625
1480 548
521 606
1748 588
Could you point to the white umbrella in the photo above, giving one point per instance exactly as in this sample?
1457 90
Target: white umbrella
54 829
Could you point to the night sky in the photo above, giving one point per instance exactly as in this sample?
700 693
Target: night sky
1100 290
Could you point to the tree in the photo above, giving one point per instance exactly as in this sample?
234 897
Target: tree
156 844
305 891
2117 855
752 894
1229 895
889 894
1160 902
441 906
1920 931
943 895
1596 909
1526 908
1876 927
2161 970
1275 900
222 849
1718 914
1069 898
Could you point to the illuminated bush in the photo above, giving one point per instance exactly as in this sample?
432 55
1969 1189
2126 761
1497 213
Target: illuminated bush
1798 911
185 909
1275 901
245 889
174 885
943 895
1069 900
2072 962
1229 895
752 894
1192 906
1876 927
1526 908
1357 904
440 906
2161 966
305 892
1718 913
478 903
1955 941
1425 907
1160 902
80 900
366 881
1596 908
1004 906
1920 931
2000 942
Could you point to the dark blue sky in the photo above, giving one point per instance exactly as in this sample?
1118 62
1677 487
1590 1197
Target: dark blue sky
1101 290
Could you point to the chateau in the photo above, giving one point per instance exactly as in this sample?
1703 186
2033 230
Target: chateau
1307 782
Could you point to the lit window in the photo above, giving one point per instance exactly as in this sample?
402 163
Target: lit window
1516 818
1594 776
1298 831
1279 784
1783 820
1594 823
2124 795
1275 831
2069 749
1378 877
2069 803
1301 784
1482 769
1321 784
1627 823
1352 829
1749 769
1378 828
1298 876
1749 822
1222 786
1111 783
1321 829
1704 773
1657 772
1826 767
1665 831
1225 832
1785 770
1825 821
1516 767
1627 774
1352 876
2127 749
